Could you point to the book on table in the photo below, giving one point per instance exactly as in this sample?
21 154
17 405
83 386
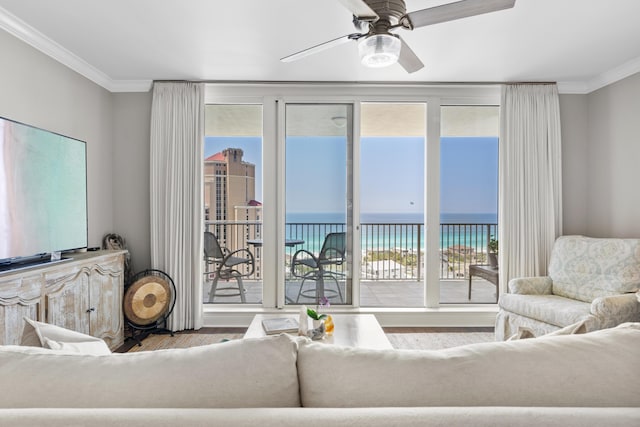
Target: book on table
280 325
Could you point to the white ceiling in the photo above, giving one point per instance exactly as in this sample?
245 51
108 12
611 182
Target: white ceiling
123 45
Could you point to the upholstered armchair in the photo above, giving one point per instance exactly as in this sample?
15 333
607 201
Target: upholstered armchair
590 280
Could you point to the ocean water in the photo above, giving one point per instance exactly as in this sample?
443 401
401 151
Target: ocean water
395 230
392 218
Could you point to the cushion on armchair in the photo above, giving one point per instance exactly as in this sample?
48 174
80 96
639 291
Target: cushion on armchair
586 268
616 309
531 285
551 309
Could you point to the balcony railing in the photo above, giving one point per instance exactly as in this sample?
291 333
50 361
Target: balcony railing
388 251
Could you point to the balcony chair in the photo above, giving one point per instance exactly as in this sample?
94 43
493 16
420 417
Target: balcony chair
592 281
224 264
308 266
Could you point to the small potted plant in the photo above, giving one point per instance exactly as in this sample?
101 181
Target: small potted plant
492 246
317 317
318 331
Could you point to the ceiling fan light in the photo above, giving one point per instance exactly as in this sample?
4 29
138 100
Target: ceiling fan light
379 50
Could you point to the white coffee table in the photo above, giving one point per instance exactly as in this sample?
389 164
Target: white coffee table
351 330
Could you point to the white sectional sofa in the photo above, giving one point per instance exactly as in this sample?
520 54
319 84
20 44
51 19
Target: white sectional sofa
574 380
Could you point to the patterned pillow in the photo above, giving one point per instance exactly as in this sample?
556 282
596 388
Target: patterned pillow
585 268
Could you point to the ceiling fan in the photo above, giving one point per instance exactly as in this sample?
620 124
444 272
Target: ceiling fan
377 19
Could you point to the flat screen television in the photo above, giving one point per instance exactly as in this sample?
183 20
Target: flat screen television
43 194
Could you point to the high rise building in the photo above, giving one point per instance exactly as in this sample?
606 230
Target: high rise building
229 192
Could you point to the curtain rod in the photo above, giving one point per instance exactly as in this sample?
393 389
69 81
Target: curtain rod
530 83
393 83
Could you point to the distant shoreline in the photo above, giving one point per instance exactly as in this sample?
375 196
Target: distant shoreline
404 231
392 218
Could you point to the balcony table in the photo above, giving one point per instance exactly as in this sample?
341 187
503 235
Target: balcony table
487 272
288 242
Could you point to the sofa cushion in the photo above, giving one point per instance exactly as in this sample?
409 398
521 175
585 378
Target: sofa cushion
242 373
20 349
552 309
598 369
58 338
585 268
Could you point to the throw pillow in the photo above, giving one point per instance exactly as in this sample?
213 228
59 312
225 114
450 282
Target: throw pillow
522 334
576 328
97 348
29 336
57 338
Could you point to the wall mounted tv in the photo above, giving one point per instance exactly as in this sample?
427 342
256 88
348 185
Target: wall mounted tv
43 194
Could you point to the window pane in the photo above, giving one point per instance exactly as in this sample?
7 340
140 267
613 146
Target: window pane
233 201
317 194
392 204
468 202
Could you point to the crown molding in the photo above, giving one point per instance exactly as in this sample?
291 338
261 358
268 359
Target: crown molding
130 85
566 88
616 74
21 30
604 79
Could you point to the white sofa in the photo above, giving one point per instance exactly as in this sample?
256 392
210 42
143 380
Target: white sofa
575 380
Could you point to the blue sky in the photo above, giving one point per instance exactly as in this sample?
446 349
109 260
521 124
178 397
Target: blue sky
391 173
469 175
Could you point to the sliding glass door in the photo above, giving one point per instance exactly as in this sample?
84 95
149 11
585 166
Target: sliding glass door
318 203
233 201
468 203
392 202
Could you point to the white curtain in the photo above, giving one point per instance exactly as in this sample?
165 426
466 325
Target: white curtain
177 150
530 189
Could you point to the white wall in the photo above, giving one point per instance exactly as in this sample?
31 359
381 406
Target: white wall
36 90
575 191
132 118
613 170
601 160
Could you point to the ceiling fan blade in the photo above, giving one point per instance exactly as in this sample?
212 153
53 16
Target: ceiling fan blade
408 59
320 47
360 9
456 10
